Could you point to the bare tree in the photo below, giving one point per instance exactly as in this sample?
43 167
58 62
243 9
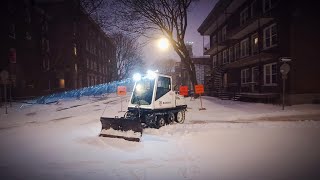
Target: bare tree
150 18
166 16
164 66
128 55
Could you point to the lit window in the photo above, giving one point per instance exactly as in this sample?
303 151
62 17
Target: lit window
61 83
75 49
254 44
75 67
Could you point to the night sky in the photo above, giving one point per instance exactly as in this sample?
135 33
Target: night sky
199 11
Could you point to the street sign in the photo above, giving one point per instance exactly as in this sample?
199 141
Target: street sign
199 89
284 68
122 90
183 90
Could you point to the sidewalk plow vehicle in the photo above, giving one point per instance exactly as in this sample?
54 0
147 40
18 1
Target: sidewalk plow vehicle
153 104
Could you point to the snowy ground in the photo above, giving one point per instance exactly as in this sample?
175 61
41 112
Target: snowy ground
228 140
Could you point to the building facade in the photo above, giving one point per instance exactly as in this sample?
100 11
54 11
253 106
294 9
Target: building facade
52 46
247 39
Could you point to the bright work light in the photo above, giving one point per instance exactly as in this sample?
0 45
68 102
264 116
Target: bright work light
151 74
136 77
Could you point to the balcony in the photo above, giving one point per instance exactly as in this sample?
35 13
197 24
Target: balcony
249 60
213 49
250 26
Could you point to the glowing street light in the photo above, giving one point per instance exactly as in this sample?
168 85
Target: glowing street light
163 43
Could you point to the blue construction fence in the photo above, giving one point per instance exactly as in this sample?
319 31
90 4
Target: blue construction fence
97 90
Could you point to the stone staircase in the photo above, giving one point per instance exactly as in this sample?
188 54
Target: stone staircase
219 91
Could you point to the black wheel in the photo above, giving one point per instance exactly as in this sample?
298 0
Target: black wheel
180 117
171 118
160 122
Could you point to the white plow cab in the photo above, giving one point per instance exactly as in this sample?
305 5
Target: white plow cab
154 96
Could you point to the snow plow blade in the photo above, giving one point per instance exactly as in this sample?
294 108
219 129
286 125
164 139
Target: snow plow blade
126 128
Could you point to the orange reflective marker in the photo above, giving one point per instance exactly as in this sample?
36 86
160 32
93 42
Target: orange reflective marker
199 89
183 90
122 90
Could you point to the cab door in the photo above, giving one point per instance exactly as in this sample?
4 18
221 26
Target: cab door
164 97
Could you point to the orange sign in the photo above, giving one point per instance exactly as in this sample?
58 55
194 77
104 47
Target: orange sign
199 89
183 90
122 90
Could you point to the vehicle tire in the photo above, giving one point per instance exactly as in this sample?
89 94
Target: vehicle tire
160 122
180 117
171 118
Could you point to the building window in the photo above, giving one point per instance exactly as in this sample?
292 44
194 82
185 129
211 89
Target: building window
254 9
255 74
224 33
244 48
92 80
28 36
225 56
75 49
270 74
219 36
88 63
231 54
213 40
43 44
270 38
254 44
87 45
219 58
12 31
266 5
236 51
74 28
214 60
27 19
61 83
46 64
75 67
245 76
244 15
44 26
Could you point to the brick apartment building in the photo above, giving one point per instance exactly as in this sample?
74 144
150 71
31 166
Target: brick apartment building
51 46
247 39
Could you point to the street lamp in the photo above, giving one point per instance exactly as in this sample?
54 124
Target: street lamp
163 43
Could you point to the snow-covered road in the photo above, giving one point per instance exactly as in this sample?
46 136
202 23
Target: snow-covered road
230 140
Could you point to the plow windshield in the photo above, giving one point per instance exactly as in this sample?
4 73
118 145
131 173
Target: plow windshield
143 92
